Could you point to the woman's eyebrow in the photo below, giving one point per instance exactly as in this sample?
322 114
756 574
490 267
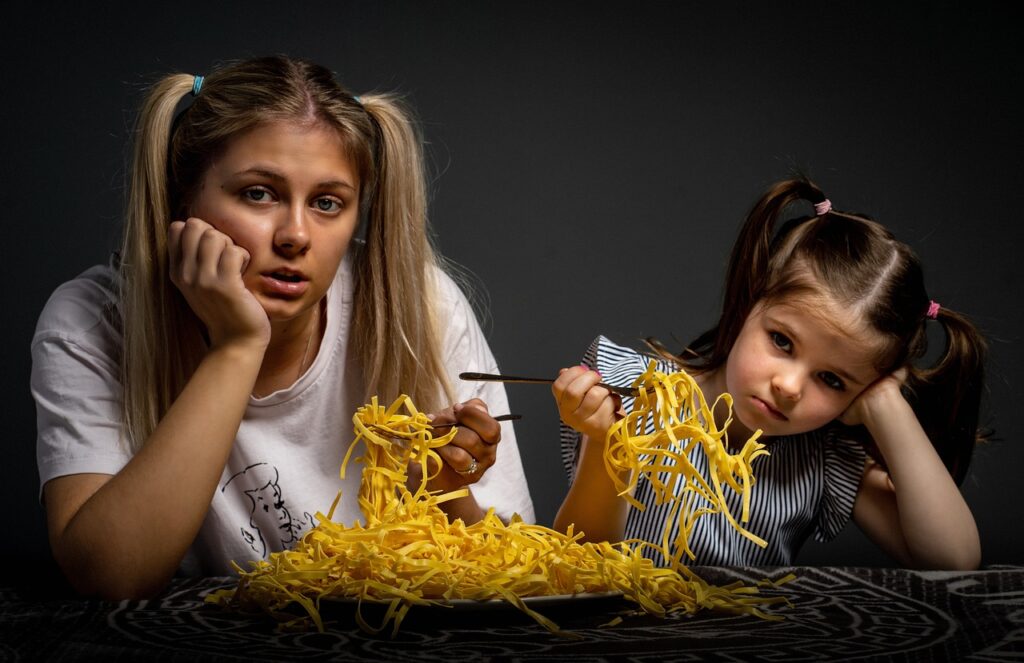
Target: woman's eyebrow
278 177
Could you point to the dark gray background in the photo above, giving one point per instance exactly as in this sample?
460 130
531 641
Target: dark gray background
590 165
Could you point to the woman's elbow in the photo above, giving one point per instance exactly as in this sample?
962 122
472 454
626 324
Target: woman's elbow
93 576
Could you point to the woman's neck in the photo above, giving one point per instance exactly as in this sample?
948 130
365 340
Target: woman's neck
292 349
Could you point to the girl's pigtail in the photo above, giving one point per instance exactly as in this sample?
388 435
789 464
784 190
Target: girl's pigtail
947 395
748 271
396 272
151 366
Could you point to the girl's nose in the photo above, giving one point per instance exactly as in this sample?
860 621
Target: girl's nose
788 384
292 235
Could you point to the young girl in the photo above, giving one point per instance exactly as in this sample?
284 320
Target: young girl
820 331
195 396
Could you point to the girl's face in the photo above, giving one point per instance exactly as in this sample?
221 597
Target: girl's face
287 194
790 372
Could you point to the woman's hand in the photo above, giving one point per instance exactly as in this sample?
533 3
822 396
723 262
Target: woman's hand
582 404
882 391
207 266
471 452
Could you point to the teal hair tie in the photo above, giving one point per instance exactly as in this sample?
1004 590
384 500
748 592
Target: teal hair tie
358 100
197 84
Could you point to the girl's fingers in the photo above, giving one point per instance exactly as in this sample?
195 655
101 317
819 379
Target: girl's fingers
566 388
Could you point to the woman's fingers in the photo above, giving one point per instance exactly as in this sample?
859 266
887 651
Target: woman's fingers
207 267
473 449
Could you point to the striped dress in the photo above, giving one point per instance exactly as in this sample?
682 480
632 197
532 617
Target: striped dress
806 486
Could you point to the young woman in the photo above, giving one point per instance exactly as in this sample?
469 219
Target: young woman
195 396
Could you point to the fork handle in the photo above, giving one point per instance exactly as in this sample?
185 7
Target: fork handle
490 377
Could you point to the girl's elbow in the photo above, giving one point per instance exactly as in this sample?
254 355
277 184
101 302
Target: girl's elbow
965 559
969 560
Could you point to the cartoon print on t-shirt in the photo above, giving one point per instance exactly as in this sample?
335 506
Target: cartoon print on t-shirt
259 482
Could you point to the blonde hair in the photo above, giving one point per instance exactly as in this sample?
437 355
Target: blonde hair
396 338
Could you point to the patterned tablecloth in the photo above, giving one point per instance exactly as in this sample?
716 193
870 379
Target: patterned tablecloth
834 614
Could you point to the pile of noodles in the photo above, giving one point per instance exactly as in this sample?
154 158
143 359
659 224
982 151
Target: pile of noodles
408 553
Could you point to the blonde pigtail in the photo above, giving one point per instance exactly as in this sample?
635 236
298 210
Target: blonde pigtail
395 323
154 365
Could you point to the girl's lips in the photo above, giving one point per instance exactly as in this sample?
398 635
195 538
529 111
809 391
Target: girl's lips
282 288
768 409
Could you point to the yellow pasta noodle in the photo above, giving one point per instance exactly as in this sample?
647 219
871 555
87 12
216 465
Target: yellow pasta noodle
408 553
681 420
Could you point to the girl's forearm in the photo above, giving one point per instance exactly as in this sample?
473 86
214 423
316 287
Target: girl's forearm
129 537
937 525
592 505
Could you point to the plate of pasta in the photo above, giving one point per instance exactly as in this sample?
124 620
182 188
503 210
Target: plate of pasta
407 554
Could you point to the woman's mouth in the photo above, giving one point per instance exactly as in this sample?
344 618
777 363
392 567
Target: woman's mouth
285 283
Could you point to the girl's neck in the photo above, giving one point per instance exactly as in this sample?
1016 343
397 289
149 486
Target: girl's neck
712 384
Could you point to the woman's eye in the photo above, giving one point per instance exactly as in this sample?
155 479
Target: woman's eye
832 381
256 195
327 205
781 341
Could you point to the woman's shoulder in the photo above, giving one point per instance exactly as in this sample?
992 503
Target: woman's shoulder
83 304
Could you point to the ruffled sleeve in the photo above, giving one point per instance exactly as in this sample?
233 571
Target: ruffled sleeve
843 468
618 366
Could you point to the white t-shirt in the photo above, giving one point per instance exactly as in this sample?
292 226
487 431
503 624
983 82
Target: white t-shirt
284 465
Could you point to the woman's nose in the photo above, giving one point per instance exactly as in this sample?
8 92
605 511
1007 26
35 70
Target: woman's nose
292 235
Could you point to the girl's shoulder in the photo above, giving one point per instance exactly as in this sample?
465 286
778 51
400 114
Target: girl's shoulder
619 364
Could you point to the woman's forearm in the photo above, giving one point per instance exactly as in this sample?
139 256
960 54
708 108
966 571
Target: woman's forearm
128 538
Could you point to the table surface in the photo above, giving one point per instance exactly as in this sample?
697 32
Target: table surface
833 613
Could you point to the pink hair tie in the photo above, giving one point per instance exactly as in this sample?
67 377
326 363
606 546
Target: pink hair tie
933 309
823 208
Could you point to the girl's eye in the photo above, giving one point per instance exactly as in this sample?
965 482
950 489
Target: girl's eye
329 205
781 341
832 381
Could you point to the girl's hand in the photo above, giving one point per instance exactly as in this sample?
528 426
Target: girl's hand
207 266
471 452
582 404
881 391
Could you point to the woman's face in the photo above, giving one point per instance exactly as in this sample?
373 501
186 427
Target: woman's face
287 193
790 372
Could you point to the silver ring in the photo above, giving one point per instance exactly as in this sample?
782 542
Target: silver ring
473 467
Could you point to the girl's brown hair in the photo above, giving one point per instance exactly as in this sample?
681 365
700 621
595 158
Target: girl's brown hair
396 339
858 264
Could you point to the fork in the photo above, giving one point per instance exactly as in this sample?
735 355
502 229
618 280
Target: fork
490 377
500 417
